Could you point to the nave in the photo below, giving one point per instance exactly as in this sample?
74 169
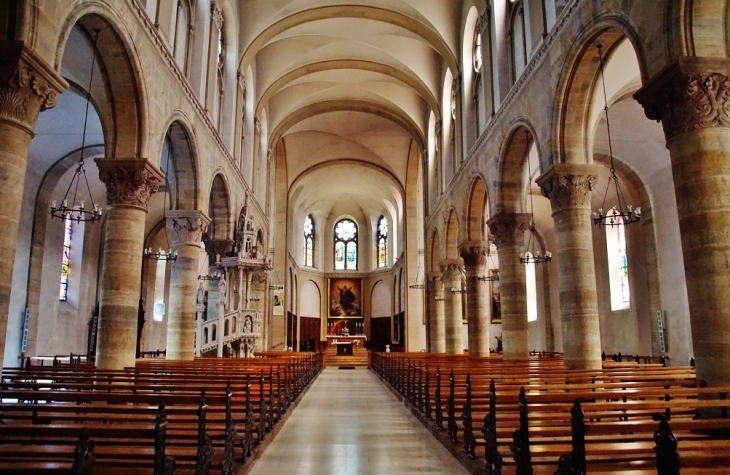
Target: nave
350 423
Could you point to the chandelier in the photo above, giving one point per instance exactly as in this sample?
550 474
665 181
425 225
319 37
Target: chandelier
531 256
491 269
621 212
214 277
79 212
170 254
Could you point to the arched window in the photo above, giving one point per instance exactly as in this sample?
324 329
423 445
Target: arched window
159 294
517 33
181 36
382 240
345 245
477 51
65 257
618 265
531 289
308 241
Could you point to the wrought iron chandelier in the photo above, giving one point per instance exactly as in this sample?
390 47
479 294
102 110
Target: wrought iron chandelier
214 277
79 212
530 256
170 254
493 276
621 212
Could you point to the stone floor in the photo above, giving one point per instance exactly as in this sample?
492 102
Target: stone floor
349 423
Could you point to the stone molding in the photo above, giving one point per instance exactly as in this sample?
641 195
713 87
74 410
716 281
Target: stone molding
129 182
451 269
509 229
568 185
474 253
692 93
27 85
217 15
187 227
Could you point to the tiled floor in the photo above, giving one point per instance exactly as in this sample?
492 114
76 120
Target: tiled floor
349 423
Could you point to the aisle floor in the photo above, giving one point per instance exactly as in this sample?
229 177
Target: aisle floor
350 423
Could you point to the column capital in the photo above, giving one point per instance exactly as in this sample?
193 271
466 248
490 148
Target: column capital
187 227
451 269
474 253
690 94
568 185
509 228
129 181
28 85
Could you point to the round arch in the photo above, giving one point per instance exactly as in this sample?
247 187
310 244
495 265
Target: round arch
477 210
219 210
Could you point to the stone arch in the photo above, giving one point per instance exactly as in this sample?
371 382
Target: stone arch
182 177
574 100
513 158
219 210
122 108
452 235
425 31
476 210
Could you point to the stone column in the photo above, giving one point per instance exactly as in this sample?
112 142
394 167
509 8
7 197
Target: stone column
129 185
478 301
436 324
691 97
27 86
451 272
568 186
187 230
508 230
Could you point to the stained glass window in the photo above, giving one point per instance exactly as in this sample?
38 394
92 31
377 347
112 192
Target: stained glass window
618 264
65 255
382 240
345 245
308 241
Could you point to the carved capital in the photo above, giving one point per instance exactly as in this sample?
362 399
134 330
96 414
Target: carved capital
690 94
451 269
217 15
483 21
27 85
218 247
509 228
435 281
129 182
474 253
568 186
187 226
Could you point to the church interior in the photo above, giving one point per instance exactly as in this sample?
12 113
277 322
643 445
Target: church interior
403 184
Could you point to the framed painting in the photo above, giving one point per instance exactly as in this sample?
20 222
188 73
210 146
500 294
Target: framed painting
278 302
494 290
345 298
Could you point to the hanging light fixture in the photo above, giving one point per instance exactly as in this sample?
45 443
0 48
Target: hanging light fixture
79 212
530 256
621 212
214 277
170 254
493 276
417 286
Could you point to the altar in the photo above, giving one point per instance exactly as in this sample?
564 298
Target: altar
346 345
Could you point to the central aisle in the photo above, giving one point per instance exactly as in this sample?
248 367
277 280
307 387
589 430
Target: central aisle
349 423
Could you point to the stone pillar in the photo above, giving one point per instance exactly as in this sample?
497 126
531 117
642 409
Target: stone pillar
27 86
129 185
187 229
436 324
691 98
478 301
451 272
508 230
568 186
